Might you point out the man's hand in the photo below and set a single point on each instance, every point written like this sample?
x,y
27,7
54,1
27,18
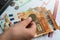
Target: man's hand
x,y
25,30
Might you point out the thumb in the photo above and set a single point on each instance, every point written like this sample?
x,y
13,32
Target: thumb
x,y
26,22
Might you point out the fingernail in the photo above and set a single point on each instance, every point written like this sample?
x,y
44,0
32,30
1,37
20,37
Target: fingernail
x,y
30,18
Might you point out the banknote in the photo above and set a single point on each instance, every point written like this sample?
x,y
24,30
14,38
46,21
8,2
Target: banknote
x,y
51,21
39,27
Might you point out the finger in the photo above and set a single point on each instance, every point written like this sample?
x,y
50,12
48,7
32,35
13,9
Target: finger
x,y
33,26
32,29
25,22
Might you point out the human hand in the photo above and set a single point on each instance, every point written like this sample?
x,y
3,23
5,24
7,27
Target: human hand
x,y
24,30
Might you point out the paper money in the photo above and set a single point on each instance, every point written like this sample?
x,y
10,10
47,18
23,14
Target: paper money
x,y
39,27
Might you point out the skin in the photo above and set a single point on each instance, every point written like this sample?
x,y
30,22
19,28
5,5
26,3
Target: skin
x,y
20,31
